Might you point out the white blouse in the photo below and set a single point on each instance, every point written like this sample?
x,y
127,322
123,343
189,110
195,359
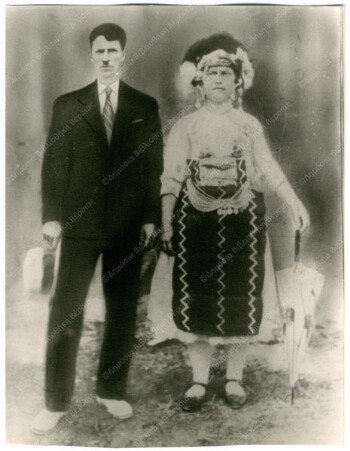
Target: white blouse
x,y
212,138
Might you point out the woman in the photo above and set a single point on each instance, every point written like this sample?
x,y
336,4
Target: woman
x,y
217,167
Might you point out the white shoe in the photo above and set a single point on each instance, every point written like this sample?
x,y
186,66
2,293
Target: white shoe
x,y
119,409
45,421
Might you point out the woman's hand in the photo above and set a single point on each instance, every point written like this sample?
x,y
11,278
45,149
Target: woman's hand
x,y
168,206
166,240
301,216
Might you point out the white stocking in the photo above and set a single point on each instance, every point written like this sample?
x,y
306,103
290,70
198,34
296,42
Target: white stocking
x,y
200,357
236,356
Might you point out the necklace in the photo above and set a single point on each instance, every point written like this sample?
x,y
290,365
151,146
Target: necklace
x,y
205,202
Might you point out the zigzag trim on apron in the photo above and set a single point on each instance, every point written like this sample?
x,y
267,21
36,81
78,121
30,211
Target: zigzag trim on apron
x,y
222,274
182,278
254,263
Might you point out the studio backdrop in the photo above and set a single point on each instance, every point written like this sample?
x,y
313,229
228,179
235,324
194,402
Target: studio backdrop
x,y
296,52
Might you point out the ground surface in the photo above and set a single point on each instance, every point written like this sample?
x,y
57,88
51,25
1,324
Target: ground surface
x,y
159,376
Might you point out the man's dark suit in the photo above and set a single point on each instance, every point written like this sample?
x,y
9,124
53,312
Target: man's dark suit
x,y
101,194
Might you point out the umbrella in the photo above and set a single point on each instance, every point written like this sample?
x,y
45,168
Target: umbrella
x,y
298,288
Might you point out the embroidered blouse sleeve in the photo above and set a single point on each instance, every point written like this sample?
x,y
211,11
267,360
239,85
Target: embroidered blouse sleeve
x,y
268,168
177,151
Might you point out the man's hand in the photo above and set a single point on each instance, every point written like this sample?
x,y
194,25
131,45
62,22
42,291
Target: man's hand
x,y
166,240
148,234
52,232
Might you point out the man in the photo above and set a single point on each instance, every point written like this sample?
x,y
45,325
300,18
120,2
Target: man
x,y
100,190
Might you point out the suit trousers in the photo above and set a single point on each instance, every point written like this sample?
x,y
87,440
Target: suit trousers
x,y
120,279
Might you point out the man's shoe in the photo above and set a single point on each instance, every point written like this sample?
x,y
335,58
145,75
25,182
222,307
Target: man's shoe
x,y
235,396
118,408
191,401
45,421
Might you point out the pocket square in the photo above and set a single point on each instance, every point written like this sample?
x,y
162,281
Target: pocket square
x,y
135,121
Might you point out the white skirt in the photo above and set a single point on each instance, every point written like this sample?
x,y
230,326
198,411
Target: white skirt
x,y
160,313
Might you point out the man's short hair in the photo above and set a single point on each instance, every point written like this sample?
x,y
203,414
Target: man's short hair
x,y
111,31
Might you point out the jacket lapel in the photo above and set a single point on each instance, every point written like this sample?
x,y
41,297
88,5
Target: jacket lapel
x,y
123,115
91,113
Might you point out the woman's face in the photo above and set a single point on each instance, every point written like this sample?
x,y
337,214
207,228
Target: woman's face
x,y
218,83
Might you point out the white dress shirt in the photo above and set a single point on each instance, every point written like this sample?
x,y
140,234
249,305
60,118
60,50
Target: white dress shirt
x,y
114,95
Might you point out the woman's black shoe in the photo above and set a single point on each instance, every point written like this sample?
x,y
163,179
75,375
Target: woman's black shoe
x,y
193,403
236,400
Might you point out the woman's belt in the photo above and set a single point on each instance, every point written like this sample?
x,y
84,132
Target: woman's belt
x,y
205,202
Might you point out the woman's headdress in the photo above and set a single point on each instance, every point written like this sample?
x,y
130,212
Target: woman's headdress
x,y
220,49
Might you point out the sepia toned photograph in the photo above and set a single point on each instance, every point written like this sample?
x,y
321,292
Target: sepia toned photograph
x,y
174,225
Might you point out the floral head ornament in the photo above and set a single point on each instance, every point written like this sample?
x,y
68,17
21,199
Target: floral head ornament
x,y
217,50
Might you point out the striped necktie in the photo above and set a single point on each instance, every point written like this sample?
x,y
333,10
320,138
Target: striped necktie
x,y
108,115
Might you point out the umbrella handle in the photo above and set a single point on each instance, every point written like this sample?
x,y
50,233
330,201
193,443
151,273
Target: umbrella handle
x,y
297,246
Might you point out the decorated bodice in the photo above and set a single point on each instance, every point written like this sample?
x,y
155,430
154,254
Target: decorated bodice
x,y
219,150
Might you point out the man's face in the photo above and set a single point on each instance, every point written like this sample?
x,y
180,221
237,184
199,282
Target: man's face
x,y
107,57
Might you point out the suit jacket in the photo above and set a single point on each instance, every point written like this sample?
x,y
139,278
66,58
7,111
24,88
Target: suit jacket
x,y
99,191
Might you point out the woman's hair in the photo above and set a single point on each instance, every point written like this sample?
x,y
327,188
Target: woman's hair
x,y
110,31
216,41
